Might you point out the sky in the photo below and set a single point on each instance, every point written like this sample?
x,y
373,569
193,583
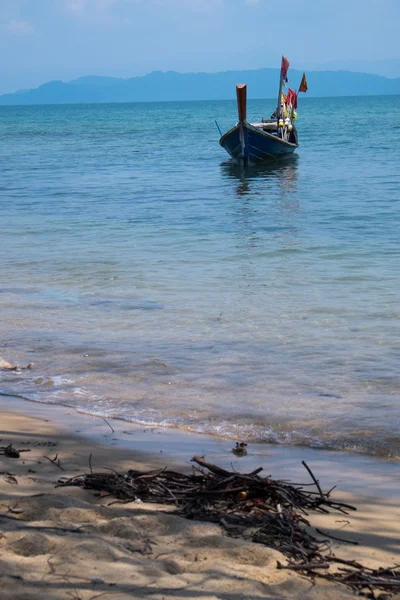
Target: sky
x,y
42,40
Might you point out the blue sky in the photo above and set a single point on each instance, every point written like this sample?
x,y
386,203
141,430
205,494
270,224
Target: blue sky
x,y
62,39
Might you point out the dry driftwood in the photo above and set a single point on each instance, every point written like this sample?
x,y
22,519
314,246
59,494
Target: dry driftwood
x,y
274,511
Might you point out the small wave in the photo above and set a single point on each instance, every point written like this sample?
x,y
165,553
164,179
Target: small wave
x,y
388,449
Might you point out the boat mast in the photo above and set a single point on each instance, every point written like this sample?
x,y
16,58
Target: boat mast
x,y
278,108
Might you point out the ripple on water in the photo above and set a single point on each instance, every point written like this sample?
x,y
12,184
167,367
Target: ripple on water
x,y
188,293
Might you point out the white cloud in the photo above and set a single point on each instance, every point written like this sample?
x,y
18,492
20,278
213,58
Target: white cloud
x,y
20,27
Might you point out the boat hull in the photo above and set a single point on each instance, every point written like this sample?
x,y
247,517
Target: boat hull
x,y
249,144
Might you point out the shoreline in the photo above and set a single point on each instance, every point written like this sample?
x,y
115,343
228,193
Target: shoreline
x,y
355,447
142,551
179,445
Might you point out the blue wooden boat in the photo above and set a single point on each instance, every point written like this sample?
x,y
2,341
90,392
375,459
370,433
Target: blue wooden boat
x,y
273,138
252,143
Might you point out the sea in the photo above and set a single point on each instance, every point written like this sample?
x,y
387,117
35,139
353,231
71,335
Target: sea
x,y
147,277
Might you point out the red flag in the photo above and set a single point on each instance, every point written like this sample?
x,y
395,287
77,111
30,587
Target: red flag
x,y
303,84
292,98
284,68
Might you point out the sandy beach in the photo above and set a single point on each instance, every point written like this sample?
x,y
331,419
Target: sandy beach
x,y
67,543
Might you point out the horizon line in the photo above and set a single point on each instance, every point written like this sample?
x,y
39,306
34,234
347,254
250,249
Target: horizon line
x,y
182,101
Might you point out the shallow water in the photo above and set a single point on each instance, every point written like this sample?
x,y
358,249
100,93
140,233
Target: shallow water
x,y
147,277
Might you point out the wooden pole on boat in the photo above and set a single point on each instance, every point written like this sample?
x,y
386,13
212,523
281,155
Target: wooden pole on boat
x,y
241,96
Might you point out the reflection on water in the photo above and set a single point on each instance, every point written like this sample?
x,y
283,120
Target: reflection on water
x,y
283,172
274,182
266,213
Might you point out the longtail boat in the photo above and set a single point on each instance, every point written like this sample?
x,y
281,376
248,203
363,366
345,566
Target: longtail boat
x,y
271,138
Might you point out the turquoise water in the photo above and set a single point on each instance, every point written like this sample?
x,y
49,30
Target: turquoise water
x,y
147,277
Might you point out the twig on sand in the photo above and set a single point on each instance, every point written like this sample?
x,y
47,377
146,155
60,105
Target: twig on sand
x,y
55,461
315,480
304,566
105,421
333,537
213,468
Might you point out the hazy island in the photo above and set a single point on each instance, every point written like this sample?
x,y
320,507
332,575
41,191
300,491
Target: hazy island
x,y
173,86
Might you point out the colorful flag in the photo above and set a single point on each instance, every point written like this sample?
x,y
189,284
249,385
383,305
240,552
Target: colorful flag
x,y
303,84
283,98
292,98
284,68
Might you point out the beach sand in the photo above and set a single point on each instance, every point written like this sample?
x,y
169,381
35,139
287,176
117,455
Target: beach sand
x,y
67,543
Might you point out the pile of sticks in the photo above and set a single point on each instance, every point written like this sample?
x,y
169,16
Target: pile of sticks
x,y
268,511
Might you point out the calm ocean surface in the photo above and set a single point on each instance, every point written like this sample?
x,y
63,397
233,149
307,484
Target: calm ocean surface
x,y
146,277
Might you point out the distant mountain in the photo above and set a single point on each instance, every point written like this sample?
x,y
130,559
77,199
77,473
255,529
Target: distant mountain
x,y
387,68
160,86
